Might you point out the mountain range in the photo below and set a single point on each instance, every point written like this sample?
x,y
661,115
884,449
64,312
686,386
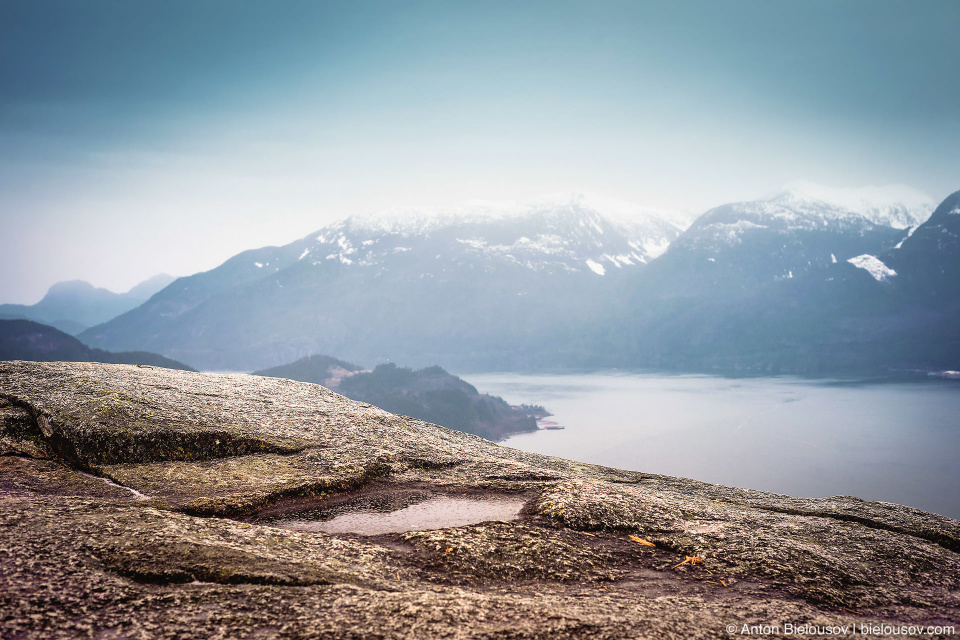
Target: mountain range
x,y
486,287
806,280
75,305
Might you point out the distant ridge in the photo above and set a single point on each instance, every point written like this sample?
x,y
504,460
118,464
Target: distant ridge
x,y
28,340
74,305
430,394
315,369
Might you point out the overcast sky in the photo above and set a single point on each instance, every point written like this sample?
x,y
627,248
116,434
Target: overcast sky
x,y
165,136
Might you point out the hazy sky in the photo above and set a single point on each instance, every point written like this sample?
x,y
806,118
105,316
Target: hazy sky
x,y
139,137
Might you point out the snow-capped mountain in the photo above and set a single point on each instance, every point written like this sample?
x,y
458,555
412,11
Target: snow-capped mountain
x,y
802,227
897,206
809,207
418,220
480,279
795,284
548,234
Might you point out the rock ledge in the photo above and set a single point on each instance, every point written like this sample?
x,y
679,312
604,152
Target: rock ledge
x,y
132,502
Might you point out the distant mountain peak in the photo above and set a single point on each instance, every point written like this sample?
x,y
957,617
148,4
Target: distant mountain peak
x,y
939,236
140,291
897,206
72,286
949,207
150,286
414,220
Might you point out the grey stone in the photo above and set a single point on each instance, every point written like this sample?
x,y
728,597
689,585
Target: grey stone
x,y
132,505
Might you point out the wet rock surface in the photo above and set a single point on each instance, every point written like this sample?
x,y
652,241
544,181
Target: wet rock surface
x,y
135,503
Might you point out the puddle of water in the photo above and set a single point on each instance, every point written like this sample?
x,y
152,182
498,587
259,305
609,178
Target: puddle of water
x,y
436,513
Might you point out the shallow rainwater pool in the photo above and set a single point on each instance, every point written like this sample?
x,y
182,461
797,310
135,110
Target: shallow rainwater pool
x,y
438,512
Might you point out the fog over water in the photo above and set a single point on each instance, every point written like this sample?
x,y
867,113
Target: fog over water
x,y
894,441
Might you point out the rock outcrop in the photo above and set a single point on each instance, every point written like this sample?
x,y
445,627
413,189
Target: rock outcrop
x,y
137,502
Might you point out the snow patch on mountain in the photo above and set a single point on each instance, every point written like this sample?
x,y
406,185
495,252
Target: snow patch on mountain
x,y
653,248
909,233
543,244
874,266
725,233
595,267
629,259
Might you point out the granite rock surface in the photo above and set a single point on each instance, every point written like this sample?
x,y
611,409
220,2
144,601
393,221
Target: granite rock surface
x,y
139,502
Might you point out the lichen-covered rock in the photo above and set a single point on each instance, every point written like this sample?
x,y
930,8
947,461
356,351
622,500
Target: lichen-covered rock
x,y
515,552
117,482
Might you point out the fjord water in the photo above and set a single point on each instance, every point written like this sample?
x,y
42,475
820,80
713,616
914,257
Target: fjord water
x,y
890,440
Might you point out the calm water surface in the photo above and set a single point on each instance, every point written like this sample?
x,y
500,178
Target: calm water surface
x,y
891,441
